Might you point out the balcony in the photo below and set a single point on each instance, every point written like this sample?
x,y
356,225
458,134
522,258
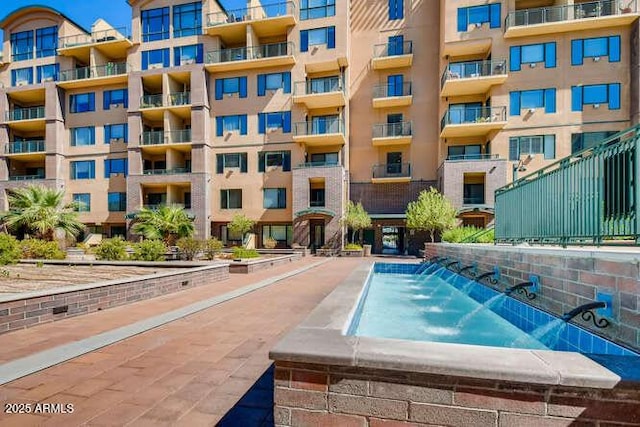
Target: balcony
x,y
307,165
158,141
26,177
319,133
392,55
266,21
470,78
26,150
391,172
26,119
151,101
388,134
319,93
472,121
171,171
391,95
471,157
561,19
111,73
248,58
112,42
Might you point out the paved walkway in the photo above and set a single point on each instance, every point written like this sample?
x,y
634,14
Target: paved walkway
x,y
188,372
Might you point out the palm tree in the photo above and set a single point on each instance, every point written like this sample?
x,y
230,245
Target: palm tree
x,y
41,212
168,223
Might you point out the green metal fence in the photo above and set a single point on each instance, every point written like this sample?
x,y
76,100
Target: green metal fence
x,y
590,197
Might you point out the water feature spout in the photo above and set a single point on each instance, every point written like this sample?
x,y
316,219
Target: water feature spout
x,y
452,263
490,274
521,288
436,259
587,314
465,268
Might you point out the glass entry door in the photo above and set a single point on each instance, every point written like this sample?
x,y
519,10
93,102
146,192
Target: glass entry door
x,y
316,234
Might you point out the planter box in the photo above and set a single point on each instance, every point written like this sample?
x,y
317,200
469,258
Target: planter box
x,y
352,252
324,252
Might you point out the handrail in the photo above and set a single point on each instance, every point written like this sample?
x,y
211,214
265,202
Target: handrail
x,y
110,69
102,36
319,127
384,50
388,90
473,115
170,171
320,85
151,101
318,165
25,177
160,137
27,113
465,157
391,170
18,147
473,69
251,13
180,98
475,236
271,50
390,130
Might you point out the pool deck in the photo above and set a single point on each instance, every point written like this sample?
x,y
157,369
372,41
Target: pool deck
x,y
181,359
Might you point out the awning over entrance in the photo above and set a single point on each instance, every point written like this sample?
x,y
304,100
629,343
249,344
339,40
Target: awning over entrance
x,y
389,216
476,209
314,212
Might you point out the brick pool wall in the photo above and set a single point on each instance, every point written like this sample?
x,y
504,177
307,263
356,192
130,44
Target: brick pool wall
x,y
251,266
36,308
326,395
568,279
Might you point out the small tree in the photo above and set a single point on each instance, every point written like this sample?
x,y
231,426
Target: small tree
x,y
212,247
167,223
149,250
240,224
114,249
189,247
355,218
431,212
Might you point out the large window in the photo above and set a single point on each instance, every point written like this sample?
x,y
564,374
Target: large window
x,y
157,58
274,81
532,54
317,197
155,24
22,76
396,9
324,158
117,202
595,48
582,141
274,159
82,102
595,95
532,99
478,15
235,123
116,133
85,169
191,54
532,144
83,136
231,161
275,198
231,86
187,20
22,45
283,234
464,152
115,166
312,9
48,73
231,199
317,37
46,41
116,98
82,201
272,121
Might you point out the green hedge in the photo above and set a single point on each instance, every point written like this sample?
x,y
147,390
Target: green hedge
x,y
10,251
114,249
239,253
149,250
41,249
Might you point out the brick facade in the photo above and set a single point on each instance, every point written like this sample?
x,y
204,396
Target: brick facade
x,y
387,198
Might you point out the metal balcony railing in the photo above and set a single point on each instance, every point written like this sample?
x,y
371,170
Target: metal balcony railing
x,y
151,101
95,37
473,69
165,137
251,13
319,127
316,86
272,50
466,157
392,49
392,170
327,164
181,98
110,69
28,113
171,171
18,147
473,115
25,177
391,130
572,12
388,90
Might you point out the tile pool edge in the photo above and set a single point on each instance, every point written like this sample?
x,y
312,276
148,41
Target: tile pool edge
x,y
319,339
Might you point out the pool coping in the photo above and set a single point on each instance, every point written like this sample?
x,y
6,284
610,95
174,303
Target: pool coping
x,y
320,339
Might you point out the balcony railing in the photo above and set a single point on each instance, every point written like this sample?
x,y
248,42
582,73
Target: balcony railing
x,y
151,101
316,86
467,157
181,98
473,115
473,69
390,130
319,127
329,164
110,69
251,13
249,53
392,49
95,37
19,147
171,171
544,15
26,177
28,113
388,90
392,170
169,137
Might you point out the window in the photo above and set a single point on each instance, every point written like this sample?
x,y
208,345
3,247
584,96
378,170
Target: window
x,y
118,230
22,76
396,46
395,85
191,54
274,81
582,141
48,73
158,58
115,133
279,120
117,202
237,123
230,237
187,20
274,159
313,9
283,234
115,166
83,136
22,45
118,97
532,54
473,194
155,24
231,160
464,113
82,102
324,84
325,158
539,98
478,15
82,201
46,41
231,199
316,197
321,125
230,86
595,48
464,152
595,95
318,36
274,198
85,169
535,144
396,9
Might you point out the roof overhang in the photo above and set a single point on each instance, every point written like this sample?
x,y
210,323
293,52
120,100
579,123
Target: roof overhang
x,y
26,10
310,212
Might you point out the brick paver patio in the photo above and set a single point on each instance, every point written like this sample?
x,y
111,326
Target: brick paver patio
x,y
188,372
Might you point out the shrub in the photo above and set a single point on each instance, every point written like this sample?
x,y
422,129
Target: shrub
x,y
149,250
189,247
41,249
114,249
488,237
270,243
212,247
239,253
456,235
352,247
9,249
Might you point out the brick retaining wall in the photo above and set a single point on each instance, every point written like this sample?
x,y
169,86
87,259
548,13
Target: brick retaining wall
x,y
250,266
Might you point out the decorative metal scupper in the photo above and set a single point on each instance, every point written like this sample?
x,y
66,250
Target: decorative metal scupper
x,y
522,289
587,314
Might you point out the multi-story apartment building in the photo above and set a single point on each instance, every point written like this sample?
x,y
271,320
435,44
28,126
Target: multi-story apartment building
x,y
285,111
